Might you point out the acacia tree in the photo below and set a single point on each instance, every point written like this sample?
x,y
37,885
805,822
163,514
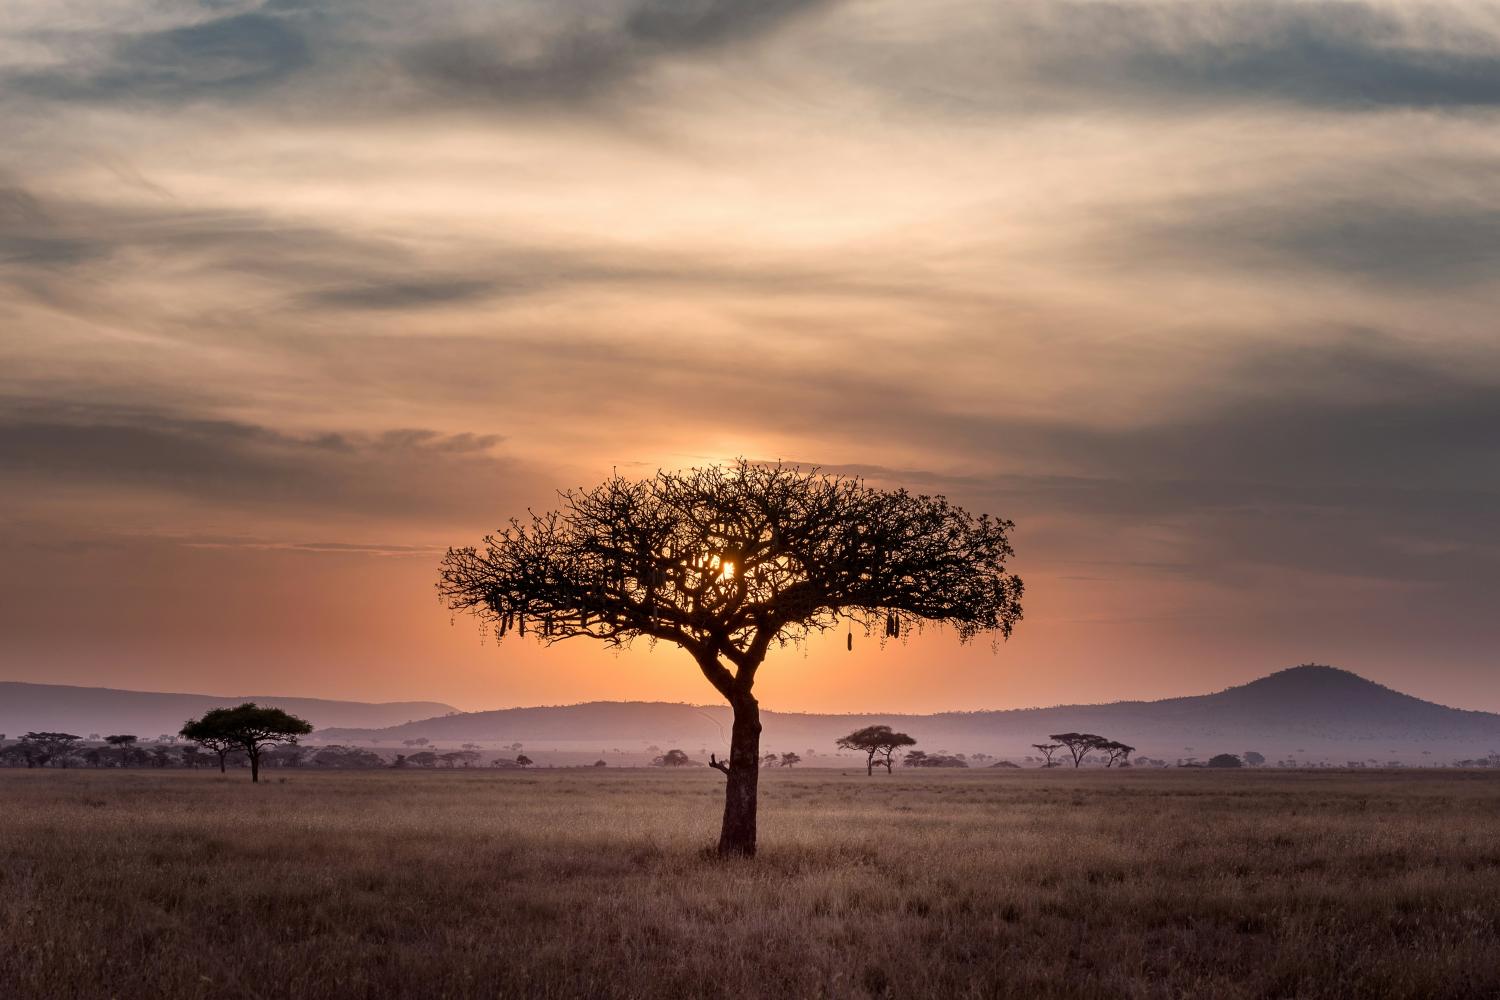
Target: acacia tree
x,y
1080,745
40,749
790,759
726,563
1047,750
247,727
221,745
124,742
876,741
1116,752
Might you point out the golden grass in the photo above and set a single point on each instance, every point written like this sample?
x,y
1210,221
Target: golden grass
x,y
596,884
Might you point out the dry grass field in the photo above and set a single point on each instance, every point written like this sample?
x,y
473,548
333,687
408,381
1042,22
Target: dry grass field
x,y
596,884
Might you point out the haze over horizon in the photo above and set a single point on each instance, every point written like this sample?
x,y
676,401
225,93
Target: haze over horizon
x,y
295,294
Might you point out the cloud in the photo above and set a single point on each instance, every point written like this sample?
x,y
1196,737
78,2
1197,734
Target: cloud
x,y
222,57
546,59
400,294
1039,56
402,473
1342,55
1384,239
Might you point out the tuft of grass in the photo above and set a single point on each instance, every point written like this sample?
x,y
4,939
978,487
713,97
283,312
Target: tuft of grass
x,y
597,884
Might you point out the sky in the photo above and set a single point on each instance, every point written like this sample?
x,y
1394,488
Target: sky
x,y
295,294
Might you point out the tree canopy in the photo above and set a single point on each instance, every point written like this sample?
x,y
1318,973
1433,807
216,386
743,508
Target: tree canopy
x,y
247,727
1079,745
876,741
726,562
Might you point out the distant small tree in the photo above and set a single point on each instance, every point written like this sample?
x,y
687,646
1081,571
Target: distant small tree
x,y
601,763
919,759
249,728
1116,752
41,749
672,758
123,743
523,760
790,759
289,755
876,741
348,757
220,746
422,758
1225,760
1047,750
769,760
466,758
1253,759
1079,745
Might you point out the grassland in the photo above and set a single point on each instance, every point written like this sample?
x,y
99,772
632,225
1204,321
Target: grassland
x,y
596,884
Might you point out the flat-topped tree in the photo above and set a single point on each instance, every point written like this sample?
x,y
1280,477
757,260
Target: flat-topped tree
x,y
726,562
1079,745
125,742
247,727
877,742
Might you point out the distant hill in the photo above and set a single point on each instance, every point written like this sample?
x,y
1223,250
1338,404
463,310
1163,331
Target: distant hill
x,y
85,710
1311,712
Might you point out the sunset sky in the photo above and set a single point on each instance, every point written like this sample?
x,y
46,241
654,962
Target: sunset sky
x,y
1202,295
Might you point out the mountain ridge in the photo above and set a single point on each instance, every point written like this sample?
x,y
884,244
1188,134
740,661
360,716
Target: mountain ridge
x,y
28,706
1291,710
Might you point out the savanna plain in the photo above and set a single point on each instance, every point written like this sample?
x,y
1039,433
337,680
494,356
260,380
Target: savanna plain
x,y
595,883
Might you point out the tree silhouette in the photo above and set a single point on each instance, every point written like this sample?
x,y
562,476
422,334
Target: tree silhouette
x,y
1080,745
523,760
876,741
221,745
1116,752
40,749
790,759
1047,750
727,562
124,742
249,728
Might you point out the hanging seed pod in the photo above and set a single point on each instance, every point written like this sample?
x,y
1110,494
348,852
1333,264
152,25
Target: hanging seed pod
x,y
895,626
851,640
522,625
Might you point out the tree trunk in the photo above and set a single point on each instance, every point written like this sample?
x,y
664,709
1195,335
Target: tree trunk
x,y
254,767
222,755
870,764
737,836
